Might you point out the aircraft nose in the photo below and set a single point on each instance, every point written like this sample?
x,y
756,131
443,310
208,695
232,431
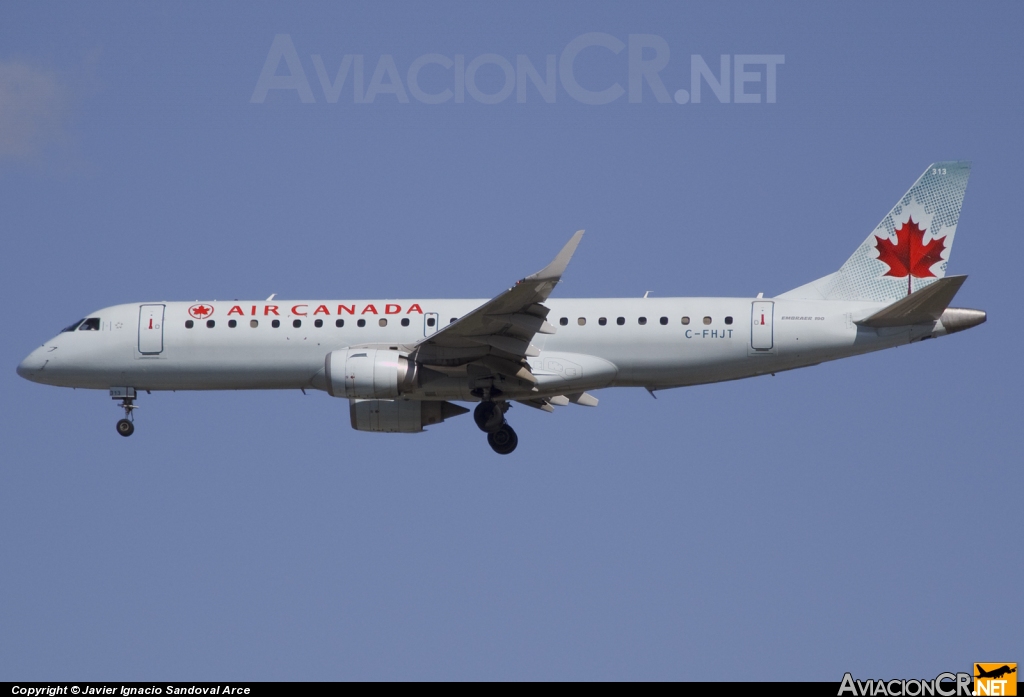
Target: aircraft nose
x,y
33,364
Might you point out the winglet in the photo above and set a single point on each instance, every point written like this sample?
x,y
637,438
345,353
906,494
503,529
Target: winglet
x,y
554,270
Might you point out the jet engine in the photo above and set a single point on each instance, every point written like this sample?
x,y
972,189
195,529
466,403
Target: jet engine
x,y
368,373
399,416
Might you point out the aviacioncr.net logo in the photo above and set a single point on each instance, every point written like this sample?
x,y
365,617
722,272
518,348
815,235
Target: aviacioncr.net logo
x,y
643,62
943,685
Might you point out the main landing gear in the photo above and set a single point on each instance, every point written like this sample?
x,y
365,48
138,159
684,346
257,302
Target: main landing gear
x,y
490,418
125,426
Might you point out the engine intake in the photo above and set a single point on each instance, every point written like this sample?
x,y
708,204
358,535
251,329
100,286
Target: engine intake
x,y
399,416
368,373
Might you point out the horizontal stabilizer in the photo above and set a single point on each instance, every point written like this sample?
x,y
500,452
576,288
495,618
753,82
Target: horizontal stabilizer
x,y
921,307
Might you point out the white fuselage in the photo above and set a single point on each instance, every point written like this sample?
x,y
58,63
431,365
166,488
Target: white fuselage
x,y
148,346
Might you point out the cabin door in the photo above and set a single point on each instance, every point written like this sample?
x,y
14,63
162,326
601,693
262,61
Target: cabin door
x,y
762,337
151,329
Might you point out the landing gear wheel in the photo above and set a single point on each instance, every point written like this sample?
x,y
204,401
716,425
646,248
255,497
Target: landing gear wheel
x,y
504,440
125,395
489,417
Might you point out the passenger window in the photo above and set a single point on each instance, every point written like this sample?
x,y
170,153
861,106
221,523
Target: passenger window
x,y
602,321
664,320
620,321
581,321
318,323
686,320
452,320
254,323
210,324
296,323
276,323
641,320
707,320
71,327
564,321
405,322
728,320
232,323
430,321
189,324
382,322
339,323
90,325
361,323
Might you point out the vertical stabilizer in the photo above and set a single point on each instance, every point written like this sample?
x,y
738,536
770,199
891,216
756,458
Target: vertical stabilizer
x,y
909,249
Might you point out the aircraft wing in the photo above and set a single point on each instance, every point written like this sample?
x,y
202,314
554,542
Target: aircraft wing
x,y
494,340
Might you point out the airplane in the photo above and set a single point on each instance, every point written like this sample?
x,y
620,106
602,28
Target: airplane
x,y
403,363
996,673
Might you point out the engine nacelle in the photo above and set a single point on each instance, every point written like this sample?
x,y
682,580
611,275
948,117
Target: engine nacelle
x,y
399,416
368,373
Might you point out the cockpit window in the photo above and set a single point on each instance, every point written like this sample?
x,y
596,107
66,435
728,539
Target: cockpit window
x,y
90,325
71,327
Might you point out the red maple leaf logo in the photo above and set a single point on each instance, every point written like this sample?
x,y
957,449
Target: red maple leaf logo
x,y
910,256
199,311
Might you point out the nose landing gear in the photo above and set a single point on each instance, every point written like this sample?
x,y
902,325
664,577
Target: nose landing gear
x,y
490,418
125,426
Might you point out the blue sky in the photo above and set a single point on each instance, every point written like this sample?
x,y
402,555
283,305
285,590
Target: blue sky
x,y
854,516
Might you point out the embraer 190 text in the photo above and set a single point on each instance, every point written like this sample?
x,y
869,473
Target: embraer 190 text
x,y
403,363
